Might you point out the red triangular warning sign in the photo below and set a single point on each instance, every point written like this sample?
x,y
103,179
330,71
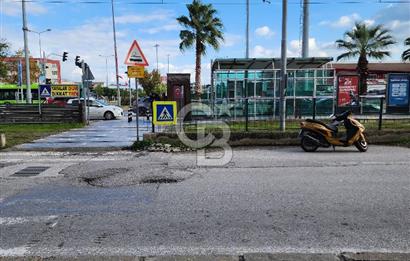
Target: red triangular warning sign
x,y
135,56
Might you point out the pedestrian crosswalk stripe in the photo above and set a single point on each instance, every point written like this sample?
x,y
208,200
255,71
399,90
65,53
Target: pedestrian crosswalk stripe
x,y
165,115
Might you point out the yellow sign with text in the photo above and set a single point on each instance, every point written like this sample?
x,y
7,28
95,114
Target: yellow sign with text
x,y
136,72
64,90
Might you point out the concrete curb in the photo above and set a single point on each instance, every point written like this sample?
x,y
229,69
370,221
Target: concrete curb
x,y
247,257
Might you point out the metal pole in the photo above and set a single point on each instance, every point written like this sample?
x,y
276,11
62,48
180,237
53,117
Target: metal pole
x,y
129,88
156,51
26,54
137,111
106,71
282,101
305,39
381,113
41,58
85,116
247,29
168,63
39,101
116,55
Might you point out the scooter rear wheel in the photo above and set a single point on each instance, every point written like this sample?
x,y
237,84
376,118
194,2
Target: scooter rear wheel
x,y
308,145
361,144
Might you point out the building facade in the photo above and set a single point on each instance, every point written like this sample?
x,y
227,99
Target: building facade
x,y
52,68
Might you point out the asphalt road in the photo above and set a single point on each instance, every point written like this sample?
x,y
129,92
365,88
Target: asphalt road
x,y
276,200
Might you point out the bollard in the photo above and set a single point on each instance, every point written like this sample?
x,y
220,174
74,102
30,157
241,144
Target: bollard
x,y
2,140
129,115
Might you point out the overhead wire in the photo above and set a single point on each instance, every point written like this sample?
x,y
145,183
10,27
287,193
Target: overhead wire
x,y
236,2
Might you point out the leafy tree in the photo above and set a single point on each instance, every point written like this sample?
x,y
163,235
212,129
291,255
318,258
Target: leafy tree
x,y
150,82
202,28
160,89
12,67
4,50
406,54
365,42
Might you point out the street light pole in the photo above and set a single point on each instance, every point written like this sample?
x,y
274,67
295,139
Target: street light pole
x,y
106,67
168,63
39,44
247,30
26,54
156,51
305,38
283,82
116,55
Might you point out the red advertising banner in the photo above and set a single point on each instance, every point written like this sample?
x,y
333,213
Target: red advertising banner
x,y
347,86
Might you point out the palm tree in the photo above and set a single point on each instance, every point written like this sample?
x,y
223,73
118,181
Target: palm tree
x,y
201,28
406,54
365,42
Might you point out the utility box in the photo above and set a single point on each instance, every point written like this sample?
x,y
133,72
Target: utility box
x,y
179,88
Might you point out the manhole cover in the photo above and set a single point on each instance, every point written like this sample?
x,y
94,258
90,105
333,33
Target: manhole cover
x,y
30,171
159,180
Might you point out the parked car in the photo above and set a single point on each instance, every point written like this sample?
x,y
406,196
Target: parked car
x,y
59,101
144,105
99,110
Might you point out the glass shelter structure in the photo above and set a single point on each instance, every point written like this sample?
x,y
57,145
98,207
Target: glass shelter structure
x,y
257,81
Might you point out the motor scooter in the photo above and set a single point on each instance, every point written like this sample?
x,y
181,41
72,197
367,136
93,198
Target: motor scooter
x,y
315,134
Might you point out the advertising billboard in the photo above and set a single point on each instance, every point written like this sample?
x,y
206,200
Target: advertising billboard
x,y
348,87
398,90
61,90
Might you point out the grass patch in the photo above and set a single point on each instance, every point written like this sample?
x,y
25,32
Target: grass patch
x,y
22,133
141,145
291,125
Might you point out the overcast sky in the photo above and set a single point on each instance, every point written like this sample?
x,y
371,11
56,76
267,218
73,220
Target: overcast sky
x,y
85,29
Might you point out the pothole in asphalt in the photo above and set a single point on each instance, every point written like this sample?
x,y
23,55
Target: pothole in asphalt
x,y
97,178
159,180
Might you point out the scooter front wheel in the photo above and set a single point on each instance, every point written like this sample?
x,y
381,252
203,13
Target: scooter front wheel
x,y
361,144
308,144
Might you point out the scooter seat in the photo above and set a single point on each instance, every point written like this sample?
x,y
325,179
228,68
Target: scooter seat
x,y
330,127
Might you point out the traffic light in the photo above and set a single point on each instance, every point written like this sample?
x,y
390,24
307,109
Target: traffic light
x,y
48,81
65,56
77,61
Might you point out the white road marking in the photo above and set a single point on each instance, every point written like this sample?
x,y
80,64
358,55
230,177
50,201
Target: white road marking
x,y
7,221
16,251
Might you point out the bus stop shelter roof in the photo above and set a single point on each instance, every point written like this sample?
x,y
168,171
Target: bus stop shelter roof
x,y
268,63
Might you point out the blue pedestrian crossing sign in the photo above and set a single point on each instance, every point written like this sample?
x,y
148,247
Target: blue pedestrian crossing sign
x,y
165,112
45,91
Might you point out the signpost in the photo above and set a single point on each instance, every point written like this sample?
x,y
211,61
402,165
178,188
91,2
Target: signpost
x,y
164,112
45,91
136,61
